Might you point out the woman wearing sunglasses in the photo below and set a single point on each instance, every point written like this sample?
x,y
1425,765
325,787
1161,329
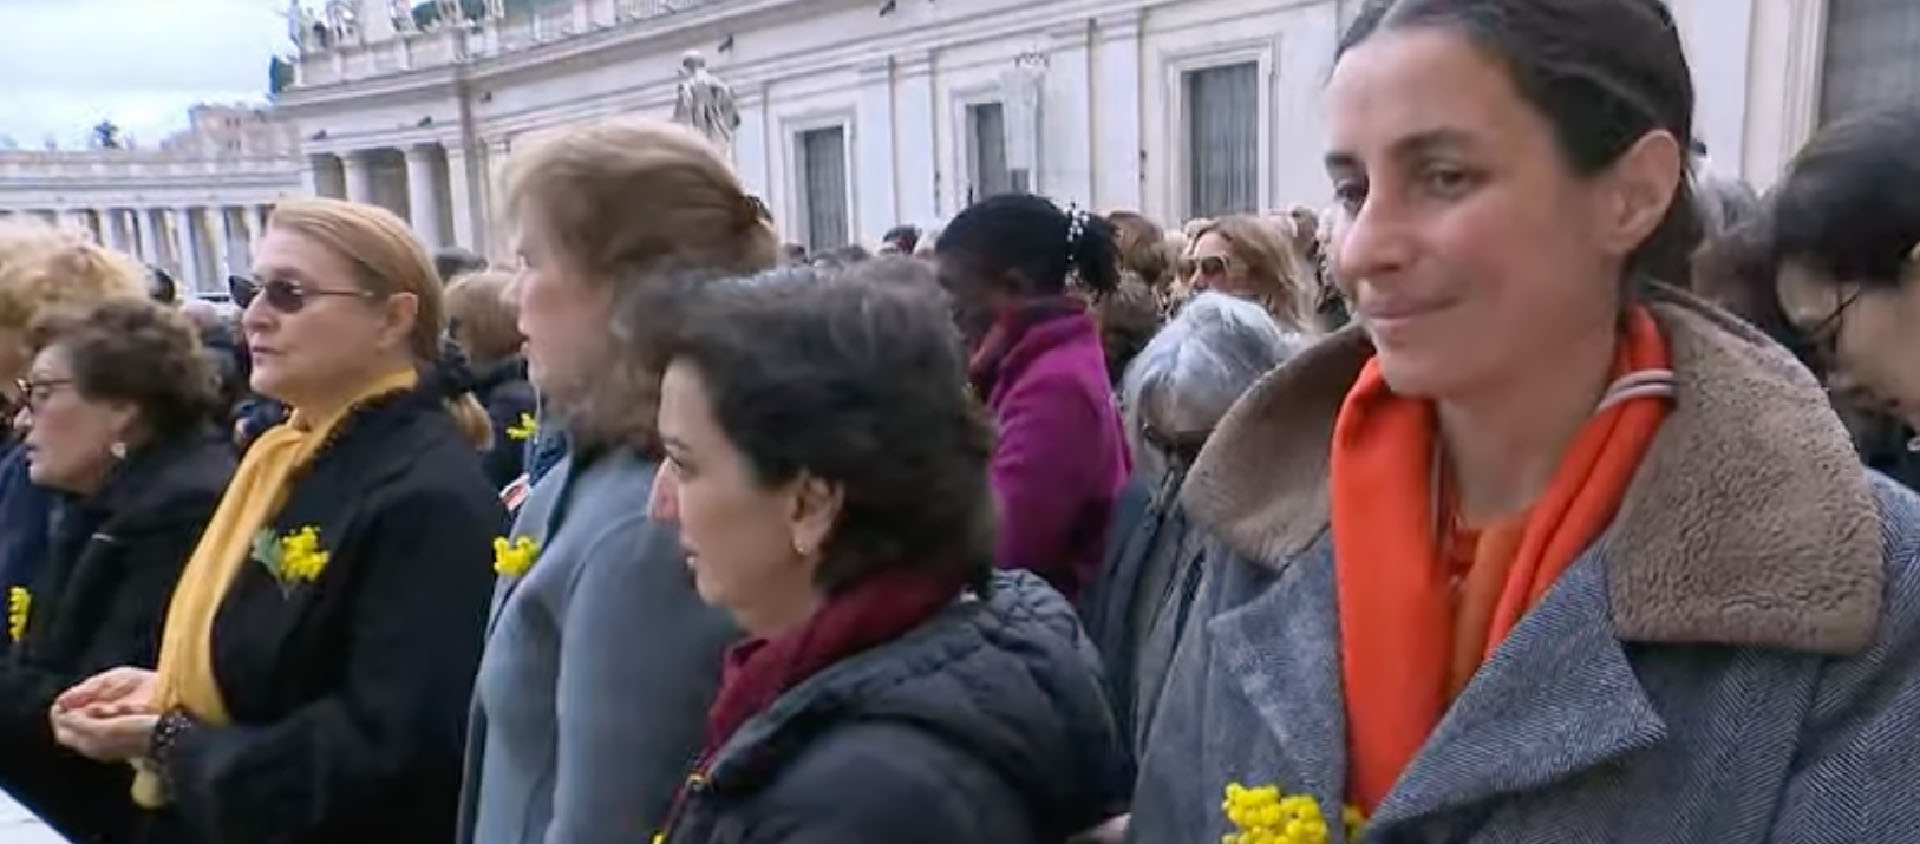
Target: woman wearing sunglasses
x,y
319,651
1247,258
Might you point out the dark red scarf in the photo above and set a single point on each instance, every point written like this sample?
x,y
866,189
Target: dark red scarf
x,y
876,610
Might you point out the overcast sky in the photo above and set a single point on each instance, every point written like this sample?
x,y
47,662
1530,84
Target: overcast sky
x,y
65,64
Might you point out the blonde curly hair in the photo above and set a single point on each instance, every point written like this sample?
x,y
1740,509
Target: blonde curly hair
x,y
43,269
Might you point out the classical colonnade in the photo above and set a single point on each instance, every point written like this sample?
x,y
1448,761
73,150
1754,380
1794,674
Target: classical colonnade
x,y
200,245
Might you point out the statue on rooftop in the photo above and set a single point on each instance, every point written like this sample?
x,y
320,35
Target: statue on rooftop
x,y
705,103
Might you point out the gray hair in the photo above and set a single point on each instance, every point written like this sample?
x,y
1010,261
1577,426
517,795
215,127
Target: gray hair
x,y
1196,368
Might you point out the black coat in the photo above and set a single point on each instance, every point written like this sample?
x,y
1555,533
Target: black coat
x,y
349,694
98,603
507,395
985,726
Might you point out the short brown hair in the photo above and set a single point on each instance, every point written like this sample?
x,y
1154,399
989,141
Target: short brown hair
x,y
479,309
139,352
643,206
630,197
1143,248
1274,268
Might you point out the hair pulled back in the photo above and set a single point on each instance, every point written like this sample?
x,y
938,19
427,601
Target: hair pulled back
x,y
1033,246
1604,74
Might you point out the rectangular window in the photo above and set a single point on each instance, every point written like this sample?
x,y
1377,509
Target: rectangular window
x,y
823,194
1872,55
1223,140
987,152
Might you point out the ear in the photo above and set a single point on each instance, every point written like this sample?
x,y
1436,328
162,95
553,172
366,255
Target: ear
x,y
1639,189
816,509
402,309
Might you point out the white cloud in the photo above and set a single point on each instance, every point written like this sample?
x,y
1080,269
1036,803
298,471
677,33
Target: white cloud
x,y
66,64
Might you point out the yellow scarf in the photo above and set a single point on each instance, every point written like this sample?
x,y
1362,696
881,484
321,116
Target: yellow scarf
x,y
258,490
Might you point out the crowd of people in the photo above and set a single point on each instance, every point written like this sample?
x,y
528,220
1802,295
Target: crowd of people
x,y
1540,489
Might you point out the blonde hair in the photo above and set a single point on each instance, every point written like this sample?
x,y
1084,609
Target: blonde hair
x,y
478,303
1273,266
43,267
387,260
641,206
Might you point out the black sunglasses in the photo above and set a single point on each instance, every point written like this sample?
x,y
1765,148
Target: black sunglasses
x,y
1212,265
282,295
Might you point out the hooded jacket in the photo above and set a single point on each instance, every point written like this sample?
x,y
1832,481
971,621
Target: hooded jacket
x,y
987,725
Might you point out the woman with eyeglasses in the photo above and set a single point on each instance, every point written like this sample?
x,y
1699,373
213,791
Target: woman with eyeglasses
x,y
120,411
42,268
1841,237
1247,257
318,656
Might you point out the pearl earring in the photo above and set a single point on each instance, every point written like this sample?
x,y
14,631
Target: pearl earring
x,y
118,450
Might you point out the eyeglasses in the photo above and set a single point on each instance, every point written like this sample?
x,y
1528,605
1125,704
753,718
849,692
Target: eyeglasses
x,y
34,394
284,296
1824,338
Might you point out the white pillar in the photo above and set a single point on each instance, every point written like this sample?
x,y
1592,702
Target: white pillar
x,y
310,174
250,227
115,220
915,191
1120,178
144,245
359,177
77,218
423,196
190,278
460,197
229,256
1066,118
870,139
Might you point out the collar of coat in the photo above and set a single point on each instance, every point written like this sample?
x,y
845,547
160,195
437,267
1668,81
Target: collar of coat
x,y
1749,521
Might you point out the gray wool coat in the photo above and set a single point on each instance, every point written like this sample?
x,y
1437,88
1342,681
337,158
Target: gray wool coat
x,y
1736,659
600,663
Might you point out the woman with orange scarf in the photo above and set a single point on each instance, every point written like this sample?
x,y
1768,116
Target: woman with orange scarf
x,y
1539,549
319,650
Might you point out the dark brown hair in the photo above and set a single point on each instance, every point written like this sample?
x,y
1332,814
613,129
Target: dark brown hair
x,y
860,383
1604,74
138,352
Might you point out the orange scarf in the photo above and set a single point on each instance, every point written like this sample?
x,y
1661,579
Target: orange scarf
x,y
1407,643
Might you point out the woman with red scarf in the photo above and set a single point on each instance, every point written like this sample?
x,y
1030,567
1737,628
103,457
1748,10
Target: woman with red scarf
x,y
829,478
1016,267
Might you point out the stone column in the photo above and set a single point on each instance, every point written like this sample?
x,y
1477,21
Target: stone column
x,y
359,175
111,232
423,196
870,140
251,228
460,197
77,218
310,174
190,280
144,245
1120,177
227,256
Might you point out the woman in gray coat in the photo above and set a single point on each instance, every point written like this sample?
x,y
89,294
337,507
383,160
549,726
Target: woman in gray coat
x,y
601,659
1538,550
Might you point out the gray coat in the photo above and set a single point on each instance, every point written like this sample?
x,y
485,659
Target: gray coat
x,y
1737,659
600,663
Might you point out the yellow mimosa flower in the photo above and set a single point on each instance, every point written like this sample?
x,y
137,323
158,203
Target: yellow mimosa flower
x,y
301,556
19,605
524,429
1263,815
514,558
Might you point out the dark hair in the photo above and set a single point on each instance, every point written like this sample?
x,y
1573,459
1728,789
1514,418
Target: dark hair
x,y
138,352
861,384
1030,246
1849,203
452,262
160,286
1604,73
907,236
